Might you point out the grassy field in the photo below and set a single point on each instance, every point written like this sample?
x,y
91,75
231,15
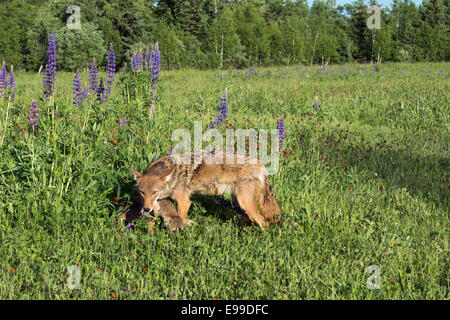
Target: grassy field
x,y
363,181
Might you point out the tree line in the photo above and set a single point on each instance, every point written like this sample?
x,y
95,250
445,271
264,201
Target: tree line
x,y
223,33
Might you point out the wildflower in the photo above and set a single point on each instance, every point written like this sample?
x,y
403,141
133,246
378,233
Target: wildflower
x,y
316,104
85,93
3,76
147,59
101,92
77,93
110,69
130,226
281,131
93,74
34,114
140,61
50,67
123,122
223,111
156,64
11,84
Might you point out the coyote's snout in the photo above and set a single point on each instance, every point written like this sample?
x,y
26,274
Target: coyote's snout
x,y
245,179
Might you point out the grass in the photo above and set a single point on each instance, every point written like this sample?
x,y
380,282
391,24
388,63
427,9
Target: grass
x,y
362,181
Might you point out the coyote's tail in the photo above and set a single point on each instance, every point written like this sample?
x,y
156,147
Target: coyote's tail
x,y
268,204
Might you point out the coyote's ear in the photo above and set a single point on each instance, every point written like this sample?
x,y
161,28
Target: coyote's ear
x,y
137,174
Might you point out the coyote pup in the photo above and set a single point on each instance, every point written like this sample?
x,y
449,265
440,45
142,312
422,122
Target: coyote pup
x,y
245,178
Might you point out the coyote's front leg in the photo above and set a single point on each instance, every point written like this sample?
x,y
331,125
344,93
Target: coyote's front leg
x,y
184,203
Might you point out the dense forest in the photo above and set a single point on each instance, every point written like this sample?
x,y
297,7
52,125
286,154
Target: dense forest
x,y
223,33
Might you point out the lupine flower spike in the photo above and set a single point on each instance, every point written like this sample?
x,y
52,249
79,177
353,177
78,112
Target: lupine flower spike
x,y
110,69
147,60
223,111
316,104
156,64
34,114
77,93
93,74
50,67
123,122
281,132
101,92
85,94
3,76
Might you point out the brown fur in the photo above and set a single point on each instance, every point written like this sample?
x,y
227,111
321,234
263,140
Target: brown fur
x,y
168,212
164,209
246,182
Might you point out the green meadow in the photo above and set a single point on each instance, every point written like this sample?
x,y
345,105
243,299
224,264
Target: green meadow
x,y
363,181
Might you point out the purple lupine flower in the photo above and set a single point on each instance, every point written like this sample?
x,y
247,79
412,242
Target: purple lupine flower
x,y
170,151
133,63
85,94
223,111
139,62
93,74
12,84
131,225
101,92
281,132
77,93
316,104
155,69
3,76
50,67
123,122
147,59
56,114
110,69
156,64
34,114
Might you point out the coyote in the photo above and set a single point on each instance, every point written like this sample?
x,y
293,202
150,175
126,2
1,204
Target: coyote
x,y
245,179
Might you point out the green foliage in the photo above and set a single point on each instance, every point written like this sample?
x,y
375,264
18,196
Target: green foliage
x,y
133,85
76,48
